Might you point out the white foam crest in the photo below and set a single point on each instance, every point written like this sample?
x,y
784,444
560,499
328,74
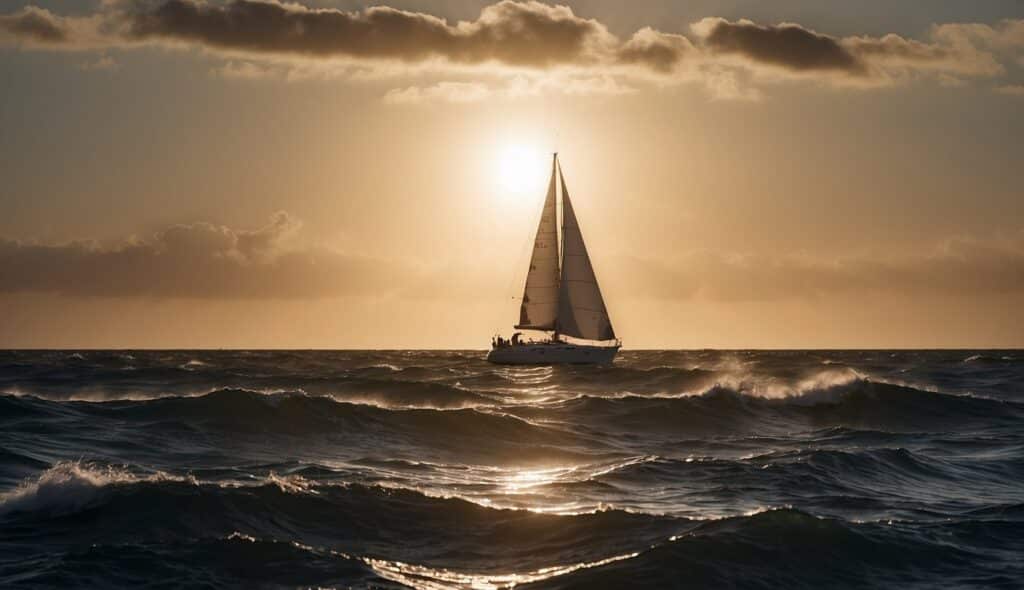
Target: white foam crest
x,y
70,486
67,487
382,403
292,484
100,395
239,536
774,388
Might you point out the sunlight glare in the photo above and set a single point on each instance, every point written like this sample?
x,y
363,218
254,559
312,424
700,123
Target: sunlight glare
x,y
521,169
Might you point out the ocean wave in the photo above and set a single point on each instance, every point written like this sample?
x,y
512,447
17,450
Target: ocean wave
x,y
778,548
841,483
411,537
787,548
214,423
357,519
67,487
234,560
863,410
393,393
780,469
188,381
994,359
860,404
660,380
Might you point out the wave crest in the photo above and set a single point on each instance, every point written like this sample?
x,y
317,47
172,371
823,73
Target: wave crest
x,y
67,487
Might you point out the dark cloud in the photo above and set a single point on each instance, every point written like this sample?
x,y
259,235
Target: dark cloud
x,y
659,51
35,24
787,46
521,34
790,47
199,260
513,33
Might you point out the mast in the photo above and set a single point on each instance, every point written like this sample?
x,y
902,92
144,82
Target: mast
x,y
560,209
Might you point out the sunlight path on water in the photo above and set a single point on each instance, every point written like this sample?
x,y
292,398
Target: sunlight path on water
x,y
425,578
535,489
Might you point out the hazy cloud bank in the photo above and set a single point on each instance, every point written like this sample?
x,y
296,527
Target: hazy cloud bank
x,y
528,37
965,266
197,260
204,260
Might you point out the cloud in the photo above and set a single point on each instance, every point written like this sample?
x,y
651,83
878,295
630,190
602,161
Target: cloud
x,y
594,86
199,260
792,49
244,70
529,34
945,55
787,46
661,52
1011,89
518,87
957,267
38,28
515,34
35,24
209,261
1005,36
454,92
268,38
724,84
103,63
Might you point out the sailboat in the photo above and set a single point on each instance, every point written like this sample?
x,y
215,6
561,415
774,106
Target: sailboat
x,y
561,297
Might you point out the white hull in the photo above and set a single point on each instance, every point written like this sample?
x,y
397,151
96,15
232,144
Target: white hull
x,y
557,353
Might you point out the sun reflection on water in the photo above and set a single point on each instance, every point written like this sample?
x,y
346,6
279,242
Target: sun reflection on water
x,y
427,578
517,481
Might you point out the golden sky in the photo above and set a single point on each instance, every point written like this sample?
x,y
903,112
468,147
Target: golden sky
x,y
342,174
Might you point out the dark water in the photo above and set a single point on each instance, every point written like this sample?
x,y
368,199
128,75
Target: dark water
x,y
699,469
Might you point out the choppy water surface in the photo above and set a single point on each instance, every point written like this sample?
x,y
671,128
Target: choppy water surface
x,y
697,469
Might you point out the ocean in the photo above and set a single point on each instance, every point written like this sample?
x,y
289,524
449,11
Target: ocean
x,y
425,469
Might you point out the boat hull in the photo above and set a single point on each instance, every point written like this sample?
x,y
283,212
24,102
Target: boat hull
x,y
552,354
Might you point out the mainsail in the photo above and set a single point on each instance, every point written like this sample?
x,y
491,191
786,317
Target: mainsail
x,y
581,309
540,297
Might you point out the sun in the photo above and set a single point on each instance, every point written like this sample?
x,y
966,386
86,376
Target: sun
x,y
520,169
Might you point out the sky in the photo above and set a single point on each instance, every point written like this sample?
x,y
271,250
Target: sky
x,y
343,174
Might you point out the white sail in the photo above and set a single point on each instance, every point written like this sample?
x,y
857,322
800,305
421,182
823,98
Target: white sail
x,y
581,309
540,297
